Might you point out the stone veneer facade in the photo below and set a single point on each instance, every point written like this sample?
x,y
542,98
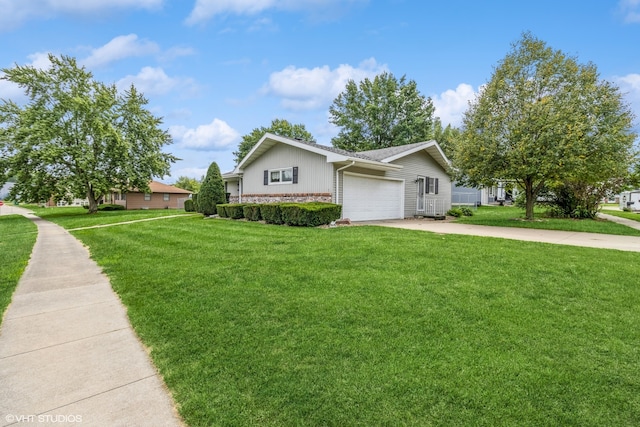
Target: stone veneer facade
x,y
288,197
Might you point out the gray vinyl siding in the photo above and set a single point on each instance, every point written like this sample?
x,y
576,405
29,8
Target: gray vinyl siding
x,y
421,164
315,175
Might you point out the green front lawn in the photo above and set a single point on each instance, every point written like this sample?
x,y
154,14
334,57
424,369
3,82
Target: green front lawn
x,y
17,237
628,215
253,324
509,216
76,217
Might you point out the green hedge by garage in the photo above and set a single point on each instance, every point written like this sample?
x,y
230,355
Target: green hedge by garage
x,y
310,214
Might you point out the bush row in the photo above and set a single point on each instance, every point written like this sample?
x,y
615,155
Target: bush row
x,y
310,214
107,207
461,211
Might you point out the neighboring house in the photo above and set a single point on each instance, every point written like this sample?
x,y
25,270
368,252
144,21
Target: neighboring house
x,y
396,182
631,200
162,196
5,189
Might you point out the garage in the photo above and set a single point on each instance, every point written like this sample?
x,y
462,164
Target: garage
x,y
372,198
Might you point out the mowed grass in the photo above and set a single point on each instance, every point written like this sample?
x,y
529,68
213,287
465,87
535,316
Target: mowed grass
x,y
263,325
628,215
509,216
77,217
17,237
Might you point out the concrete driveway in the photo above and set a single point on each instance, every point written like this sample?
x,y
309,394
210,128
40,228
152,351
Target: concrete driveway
x,y
571,238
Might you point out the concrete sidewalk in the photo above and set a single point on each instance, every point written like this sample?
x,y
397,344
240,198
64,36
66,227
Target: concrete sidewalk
x,y
68,354
590,240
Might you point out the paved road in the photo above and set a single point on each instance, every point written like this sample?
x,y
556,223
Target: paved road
x,y
68,354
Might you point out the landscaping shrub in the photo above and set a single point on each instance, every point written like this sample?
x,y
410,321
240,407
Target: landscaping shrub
x,y
252,212
110,207
234,210
212,191
189,206
221,211
194,197
271,213
310,214
466,211
457,212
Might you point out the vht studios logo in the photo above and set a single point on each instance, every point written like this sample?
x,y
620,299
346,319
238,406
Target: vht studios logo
x,y
44,418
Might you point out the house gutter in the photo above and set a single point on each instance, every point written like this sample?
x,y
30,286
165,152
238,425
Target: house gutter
x,y
353,162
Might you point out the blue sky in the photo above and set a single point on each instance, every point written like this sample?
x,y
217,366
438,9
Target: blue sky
x,y
217,69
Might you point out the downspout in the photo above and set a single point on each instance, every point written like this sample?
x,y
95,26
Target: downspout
x,y
240,189
353,162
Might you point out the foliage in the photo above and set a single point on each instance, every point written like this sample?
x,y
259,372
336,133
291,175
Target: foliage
x,y
252,212
460,211
18,237
231,210
278,127
187,183
544,118
446,137
376,326
382,113
196,207
271,213
211,192
310,214
455,212
189,206
110,207
76,136
222,211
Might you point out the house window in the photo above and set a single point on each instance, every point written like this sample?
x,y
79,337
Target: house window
x,y
147,196
432,186
165,197
281,176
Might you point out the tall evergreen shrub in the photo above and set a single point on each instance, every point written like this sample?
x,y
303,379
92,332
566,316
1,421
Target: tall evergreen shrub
x,y
212,191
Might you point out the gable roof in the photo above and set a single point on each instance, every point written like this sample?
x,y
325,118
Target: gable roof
x,y
393,153
158,187
374,159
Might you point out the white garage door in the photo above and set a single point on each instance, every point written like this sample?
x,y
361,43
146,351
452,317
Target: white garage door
x,y
368,198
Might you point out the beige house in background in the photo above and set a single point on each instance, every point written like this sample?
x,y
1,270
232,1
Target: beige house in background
x,y
162,196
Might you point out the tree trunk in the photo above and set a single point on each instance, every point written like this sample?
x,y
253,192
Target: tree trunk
x,y
93,203
530,199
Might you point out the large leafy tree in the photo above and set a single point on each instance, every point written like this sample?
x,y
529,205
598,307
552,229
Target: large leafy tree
x,y
445,136
187,183
212,191
380,113
76,136
544,118
278,127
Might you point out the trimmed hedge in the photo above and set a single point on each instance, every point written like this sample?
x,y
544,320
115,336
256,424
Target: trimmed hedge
x,y
252,212
309,214
189,206
234,211
271,213
221,211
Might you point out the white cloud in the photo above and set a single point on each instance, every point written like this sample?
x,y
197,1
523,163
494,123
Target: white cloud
x,y
11,91
306,89
630,87
215,136
16,12
630,10
154,81
451,104
119,48
196,173
206,9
